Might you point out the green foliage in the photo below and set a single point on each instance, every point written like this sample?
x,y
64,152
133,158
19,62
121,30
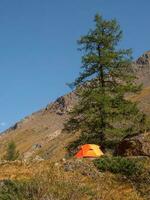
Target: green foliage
x,y
83,139
76,180
44,186
120,165
11,190
142,182
136,169
106,77
11,152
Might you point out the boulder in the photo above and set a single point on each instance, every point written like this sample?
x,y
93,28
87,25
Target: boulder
x,y
138,145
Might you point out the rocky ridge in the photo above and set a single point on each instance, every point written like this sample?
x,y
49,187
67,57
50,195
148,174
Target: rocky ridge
x,y
142,69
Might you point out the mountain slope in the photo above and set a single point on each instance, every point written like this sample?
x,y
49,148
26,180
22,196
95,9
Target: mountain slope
x,y
41,133
38,131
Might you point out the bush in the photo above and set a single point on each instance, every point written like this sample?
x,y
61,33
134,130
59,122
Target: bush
x,y
11,152
118,165
11,190
48,185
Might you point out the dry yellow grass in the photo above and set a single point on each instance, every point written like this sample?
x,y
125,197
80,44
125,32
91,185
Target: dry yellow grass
x,y
103,186
144,93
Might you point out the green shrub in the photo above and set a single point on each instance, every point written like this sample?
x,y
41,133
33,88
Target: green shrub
x,y
11,190
118,165
11,152
47,185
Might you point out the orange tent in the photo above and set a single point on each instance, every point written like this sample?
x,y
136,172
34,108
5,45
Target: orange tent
x,y
89,151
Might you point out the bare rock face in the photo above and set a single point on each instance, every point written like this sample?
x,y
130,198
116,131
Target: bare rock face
x,y
144,59
138,145
142,69
63,104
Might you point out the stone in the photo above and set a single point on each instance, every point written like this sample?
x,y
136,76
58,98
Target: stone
x,y
138,145
38,158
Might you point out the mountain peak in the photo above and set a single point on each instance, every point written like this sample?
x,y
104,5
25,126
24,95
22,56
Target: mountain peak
x,y
142,69
144,59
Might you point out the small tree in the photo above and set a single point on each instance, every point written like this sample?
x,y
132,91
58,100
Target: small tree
x,y
106,77
11,152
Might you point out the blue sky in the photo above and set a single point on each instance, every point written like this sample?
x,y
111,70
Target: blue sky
x,y
38,50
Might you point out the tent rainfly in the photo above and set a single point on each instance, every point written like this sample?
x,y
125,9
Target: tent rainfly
x,y
89,151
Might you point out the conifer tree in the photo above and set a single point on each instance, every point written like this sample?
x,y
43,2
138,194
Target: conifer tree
x,y
106,78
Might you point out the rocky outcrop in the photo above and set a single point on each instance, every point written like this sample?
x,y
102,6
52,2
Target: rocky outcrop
x,y
63,104
142,69
138,145
144,59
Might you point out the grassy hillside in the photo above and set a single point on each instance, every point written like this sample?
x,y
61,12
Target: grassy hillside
x,y
42,172
143,98
39,133
72,180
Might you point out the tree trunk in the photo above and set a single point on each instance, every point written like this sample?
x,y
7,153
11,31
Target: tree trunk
x,y
102,109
